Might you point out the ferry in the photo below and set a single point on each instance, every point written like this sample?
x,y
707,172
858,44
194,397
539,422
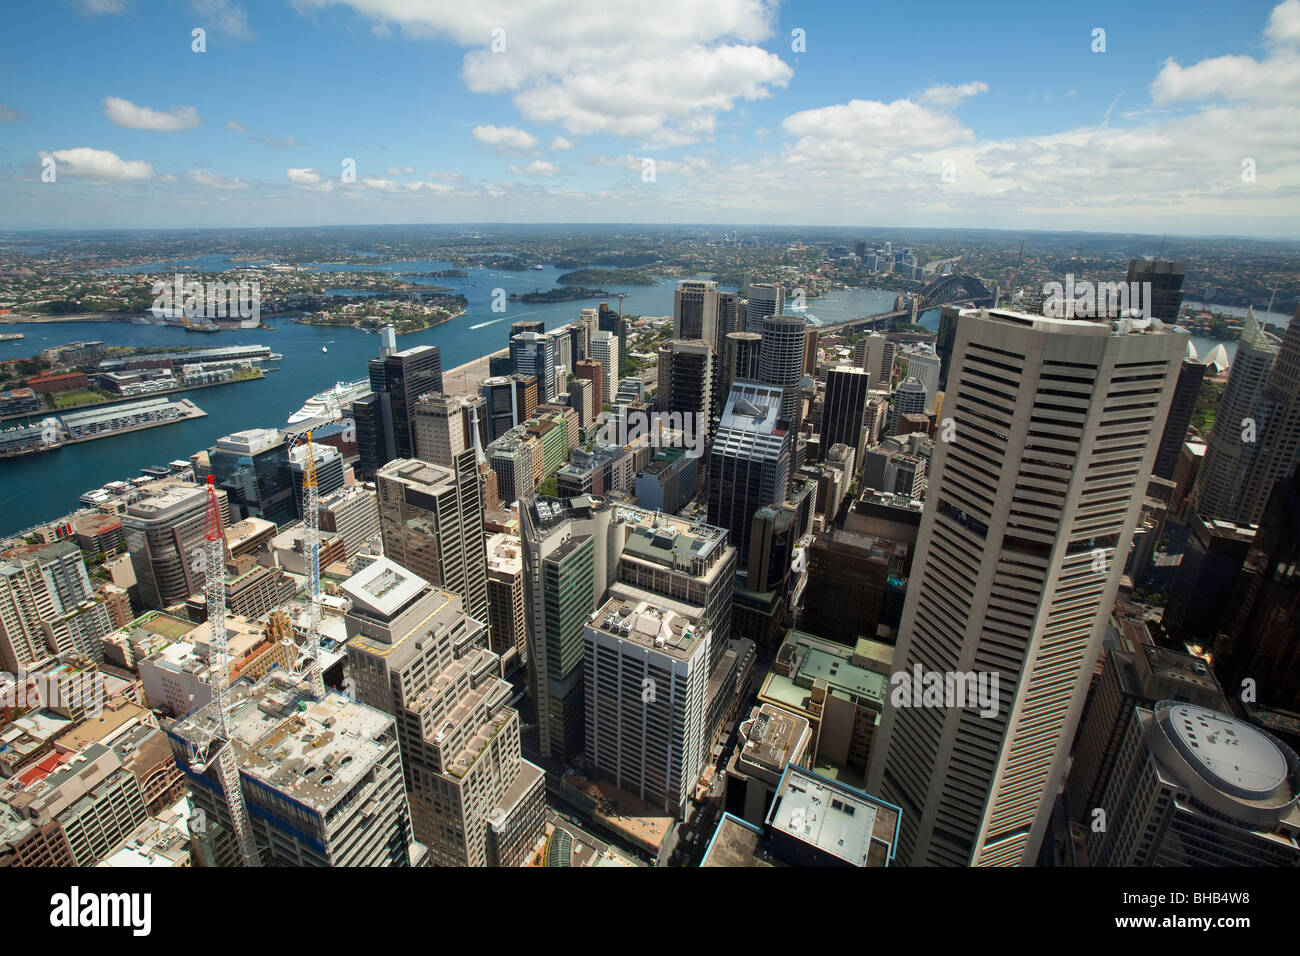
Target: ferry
x,y
329,403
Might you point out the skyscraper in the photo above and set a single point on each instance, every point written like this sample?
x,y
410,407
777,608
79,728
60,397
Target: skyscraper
x,y
164,534
1256,432
844,412
432,523
780,362
1190,378
47,606
875,353
741,358
750,460
1166,280
509,400
415,654
924,367
439,425
731,314
686,379
605,350
594,371
695,311
1030,512
909,399
397,379
764,299
533,353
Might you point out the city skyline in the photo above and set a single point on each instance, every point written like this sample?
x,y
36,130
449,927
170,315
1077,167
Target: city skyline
x,y
757,126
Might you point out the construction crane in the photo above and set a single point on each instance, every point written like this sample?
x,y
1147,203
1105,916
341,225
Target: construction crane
x,y
209,743
309,657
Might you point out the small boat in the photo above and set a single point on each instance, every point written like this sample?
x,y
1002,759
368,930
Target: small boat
x,y
324,349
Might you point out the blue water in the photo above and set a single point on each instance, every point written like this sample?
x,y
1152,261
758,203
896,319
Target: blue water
x,y
33,490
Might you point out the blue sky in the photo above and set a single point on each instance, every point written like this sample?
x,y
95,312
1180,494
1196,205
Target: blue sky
x,y
942,114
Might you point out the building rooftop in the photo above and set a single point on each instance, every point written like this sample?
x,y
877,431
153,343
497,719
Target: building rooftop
x,y
771,737
834,818
645,625
735,843
383,588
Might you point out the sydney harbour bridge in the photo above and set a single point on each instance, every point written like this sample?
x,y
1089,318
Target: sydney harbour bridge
x,y
945,290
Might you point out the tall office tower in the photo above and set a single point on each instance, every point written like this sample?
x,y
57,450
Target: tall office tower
x,y
580,550
526,325
589,319
695,311
1029,514
686,379
924,367
352,513
1256,432
509,400
1201,594
875,353
164,533
251,467
415,654
909,399
741,358
1194,787
1262,639
1166,280
329,471
611,320
1134,674
731,314
397,380
780,362
562,342
322,779
47,606
582,399
1190,378
764,299
750,461
844,414
944,340
432,522
605,350
507,595
439,423
372,441
594,371
810,351
646,672
533,353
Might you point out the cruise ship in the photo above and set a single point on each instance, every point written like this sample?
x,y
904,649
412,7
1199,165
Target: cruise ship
x,y
329,403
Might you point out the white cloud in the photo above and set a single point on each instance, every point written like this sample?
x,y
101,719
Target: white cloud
x,y
97,7
276,143
536,168
308,178
98,164
201,177
399,171
390,186
656,72
946,96
561,142
237,126
505,138
125,113
445,175
226,17
1284,24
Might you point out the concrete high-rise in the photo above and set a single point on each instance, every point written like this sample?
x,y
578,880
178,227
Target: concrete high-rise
x,y
432,523
47,606
780,362
1190,378
731,314
533,353
415,654
605,350
763,299
875,353
695,311
924,367
1027,521
844,411
686,380
1195,787
909,399
740,358
594,371
396,381
509,400
750,460
1256,434
1166,280
438,421
164,533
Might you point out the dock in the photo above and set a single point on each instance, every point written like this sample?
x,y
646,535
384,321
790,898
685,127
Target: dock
x,y
77,427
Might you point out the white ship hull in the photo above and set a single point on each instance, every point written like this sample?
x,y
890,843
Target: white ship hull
x,y
329,403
